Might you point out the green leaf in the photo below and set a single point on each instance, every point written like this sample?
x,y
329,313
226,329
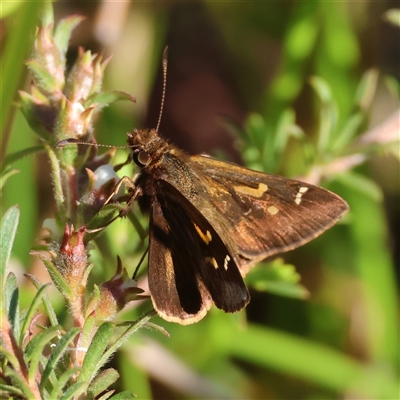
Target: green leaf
x,y
61,382
18,155
15,50
11,390
106,395
366,89
10,357
74,391
47,15
45,299
5,175
55,275
362,184
104,99
92,361
123,396
350,129
311,361
21,384
46,81
278,278
328,113
62,32
8,229
57,353
36,346
11,300
300,39
102,381
31,312
286,128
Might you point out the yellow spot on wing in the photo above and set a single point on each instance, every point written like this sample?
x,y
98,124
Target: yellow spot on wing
x,y
273,210
299,194
212,261
226,261
206,238
259,192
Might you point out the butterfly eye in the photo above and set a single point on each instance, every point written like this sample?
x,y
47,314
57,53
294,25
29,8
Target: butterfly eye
x,y
142,158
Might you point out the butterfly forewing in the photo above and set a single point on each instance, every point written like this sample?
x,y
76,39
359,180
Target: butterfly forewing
x,y
263,214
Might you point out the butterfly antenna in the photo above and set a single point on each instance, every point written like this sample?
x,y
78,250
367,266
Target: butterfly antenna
x,y
164,65
62,143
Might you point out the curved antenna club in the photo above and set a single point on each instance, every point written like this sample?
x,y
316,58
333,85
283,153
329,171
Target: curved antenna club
x,y
164,65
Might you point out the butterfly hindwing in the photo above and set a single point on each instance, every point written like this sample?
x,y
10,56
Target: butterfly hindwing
x,y
177,293
196,263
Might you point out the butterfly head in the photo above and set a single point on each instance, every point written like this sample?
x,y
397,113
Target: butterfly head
x,y
147,146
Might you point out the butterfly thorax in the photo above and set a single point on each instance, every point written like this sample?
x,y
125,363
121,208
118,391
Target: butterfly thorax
x,y
158,160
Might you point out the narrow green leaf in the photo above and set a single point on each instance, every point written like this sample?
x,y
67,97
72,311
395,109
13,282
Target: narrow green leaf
x,y
362,184
11,297
18,155
123,396
366,89
21,384
328,113
45,299
31,312
47,14
8,229
55,275
10,357
348,132
87,332
102,381
138,324
91,363
286,128
74,391
312,361
278,278
15,50
57,353
11,390
104,99
36,346
57,182
106,395
44,79
62,32
5,175
62,381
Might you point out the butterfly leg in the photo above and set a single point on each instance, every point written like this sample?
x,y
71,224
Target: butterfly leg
x,y
135,191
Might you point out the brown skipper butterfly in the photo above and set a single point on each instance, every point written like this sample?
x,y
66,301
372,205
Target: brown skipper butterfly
x,y
211,221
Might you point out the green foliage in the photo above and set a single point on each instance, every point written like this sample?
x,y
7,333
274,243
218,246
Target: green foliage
x,y
342,341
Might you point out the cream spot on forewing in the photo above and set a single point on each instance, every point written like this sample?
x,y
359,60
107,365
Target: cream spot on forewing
x,y
273,210
206,238
226,261
212,261
299,194
259,192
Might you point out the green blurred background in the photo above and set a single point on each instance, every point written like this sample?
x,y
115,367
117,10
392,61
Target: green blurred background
x,y
227,60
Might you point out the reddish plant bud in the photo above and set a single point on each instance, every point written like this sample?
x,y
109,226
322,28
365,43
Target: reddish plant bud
x,y
115,294
72,257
